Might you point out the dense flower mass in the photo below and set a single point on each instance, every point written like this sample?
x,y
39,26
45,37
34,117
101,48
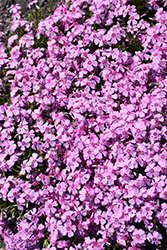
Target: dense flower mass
x,y
83,127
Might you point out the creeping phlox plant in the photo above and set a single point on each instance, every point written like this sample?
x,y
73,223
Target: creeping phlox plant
x,y
83,127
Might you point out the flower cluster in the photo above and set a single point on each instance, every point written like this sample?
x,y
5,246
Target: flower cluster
x,y
83,133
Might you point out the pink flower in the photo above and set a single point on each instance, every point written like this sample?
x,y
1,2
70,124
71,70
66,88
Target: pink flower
x,y
50,139
11,39
86,194
50,207
154,238
10,148
158,183
73,161
73,188
24,143
14,8
32,3
90,62
163,194
54,227
13,193
61,187
15,52
25,167
63,244
26,40
20,203
109,178
98,218
68,229
67,216
138,236
122,238
152,170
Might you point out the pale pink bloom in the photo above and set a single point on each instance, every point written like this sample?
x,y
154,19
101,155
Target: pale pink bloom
x,y
138,236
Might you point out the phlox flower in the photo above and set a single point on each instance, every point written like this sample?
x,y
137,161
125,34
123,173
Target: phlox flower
x,y
73,187
12,110
42,67
50,139
135,195
85,195
158,183
29,195
89,153
154,238
138,236
14,8
61,188
163,194
112,36
100,151
15,52
50,207
36,143
4,188
68,229
87,243
99,218
11,39
106,230
99,39
90,62
152,170
68,215
117,218
55,227
21,202
144,216
129,212
82,177
25,143
26,40
63,244
162,217
8,165
10,147
32,3
79,212
25,167
53,237
13,193
108,178
34,160
33,215
122,238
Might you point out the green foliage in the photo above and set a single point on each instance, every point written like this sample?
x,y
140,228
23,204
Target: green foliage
x,y
88,13
114,246
5,88
69,4
134,45
142,9
34,16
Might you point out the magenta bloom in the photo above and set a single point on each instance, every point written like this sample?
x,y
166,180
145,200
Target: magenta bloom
x,y
83,128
